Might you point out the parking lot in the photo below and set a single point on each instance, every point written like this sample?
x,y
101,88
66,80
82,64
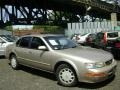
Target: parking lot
x,y
31,79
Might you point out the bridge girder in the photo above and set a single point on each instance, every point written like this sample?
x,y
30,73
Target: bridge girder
x,y
36,11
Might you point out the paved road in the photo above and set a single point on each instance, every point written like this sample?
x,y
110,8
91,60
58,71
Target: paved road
x,y
31,79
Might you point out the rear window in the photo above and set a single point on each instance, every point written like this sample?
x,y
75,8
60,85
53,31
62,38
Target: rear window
x,y
84,34
100,36
112,35
8,38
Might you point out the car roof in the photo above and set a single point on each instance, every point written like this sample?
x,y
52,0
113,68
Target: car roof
x,y
43,35
108,31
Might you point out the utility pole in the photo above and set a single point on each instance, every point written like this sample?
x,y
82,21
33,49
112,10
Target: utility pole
x,y
114,14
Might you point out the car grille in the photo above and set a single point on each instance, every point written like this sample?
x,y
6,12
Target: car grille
x,y
109,62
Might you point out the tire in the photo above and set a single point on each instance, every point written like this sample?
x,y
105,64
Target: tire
x,y
13,62
66,75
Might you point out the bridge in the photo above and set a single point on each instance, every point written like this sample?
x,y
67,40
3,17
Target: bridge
x,y
53,11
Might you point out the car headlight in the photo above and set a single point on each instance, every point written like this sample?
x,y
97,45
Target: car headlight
x,y
95,65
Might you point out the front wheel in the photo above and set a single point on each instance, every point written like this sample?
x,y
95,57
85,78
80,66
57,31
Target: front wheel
x,y
66,75
13,62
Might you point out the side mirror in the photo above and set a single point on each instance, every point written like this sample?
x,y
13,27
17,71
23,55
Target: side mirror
x,y
42,48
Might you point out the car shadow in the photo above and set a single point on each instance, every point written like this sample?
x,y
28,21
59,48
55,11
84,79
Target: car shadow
x,y
2,57
117,58
38,73
53,78
95,85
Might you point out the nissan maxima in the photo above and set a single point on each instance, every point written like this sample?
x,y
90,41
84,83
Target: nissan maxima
x,y
70,62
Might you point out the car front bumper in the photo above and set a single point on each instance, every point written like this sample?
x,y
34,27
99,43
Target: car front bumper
x,y
99,75
2,52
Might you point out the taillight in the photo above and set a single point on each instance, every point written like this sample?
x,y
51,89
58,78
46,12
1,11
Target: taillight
x,y
87,39
117,45
105,39
90,39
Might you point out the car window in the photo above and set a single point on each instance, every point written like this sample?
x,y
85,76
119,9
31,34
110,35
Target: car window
x,y
60,42
18,42
36,42
92,36
0,40
100,35
25,42
84,34
112,35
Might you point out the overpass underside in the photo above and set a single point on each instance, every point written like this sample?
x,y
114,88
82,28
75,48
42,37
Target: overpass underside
x,y
52,11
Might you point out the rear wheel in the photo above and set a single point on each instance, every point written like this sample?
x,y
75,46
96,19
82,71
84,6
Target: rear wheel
x,y
66,76
13,62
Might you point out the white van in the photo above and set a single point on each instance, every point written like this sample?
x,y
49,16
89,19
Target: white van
x,y
5,40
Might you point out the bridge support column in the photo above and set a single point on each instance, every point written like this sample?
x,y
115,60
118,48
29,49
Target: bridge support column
x,y
1,18
1,14
114,19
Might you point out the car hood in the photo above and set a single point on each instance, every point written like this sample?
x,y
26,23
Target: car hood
x,y
87,53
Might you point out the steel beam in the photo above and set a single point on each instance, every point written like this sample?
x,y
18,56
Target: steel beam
x,y
36,11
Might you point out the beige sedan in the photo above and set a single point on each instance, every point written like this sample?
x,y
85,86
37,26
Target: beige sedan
x,y
56,54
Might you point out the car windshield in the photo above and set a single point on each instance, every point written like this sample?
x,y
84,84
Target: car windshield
x,y
112,35
8,38
118,39
60,42
84,34
92,36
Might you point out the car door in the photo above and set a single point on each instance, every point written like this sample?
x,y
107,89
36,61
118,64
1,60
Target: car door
x,y
2,47
99,39
39,58
22,50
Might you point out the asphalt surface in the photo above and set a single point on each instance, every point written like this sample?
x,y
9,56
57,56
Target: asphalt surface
x,y
30,79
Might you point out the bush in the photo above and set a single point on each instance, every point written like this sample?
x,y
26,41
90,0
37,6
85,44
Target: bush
x,y
50,29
